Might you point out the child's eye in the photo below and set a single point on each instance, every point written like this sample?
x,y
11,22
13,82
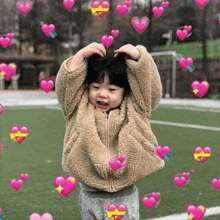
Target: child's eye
x,y
112,89
95,87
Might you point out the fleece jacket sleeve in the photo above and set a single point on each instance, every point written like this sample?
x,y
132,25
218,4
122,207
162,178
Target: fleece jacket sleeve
x,y
145,82
69,86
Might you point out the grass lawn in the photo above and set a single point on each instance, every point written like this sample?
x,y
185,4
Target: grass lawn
x,y
45,142
194,49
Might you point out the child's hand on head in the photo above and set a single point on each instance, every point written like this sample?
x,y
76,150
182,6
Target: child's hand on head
x,y
130,50
92,49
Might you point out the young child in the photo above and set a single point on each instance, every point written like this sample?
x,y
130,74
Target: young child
x,y
130,90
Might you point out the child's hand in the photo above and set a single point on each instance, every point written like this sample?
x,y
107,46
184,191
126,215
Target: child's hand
x,y
91,49
130,50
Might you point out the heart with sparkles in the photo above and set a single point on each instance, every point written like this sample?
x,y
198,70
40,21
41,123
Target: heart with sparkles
x,y
65,186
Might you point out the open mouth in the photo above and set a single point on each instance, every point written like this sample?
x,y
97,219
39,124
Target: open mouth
x,y
102,104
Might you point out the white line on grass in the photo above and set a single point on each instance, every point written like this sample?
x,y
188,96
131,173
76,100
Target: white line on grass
x,y
183,216
185,125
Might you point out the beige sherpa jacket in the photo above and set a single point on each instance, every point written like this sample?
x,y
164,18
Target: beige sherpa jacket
x,y
92,137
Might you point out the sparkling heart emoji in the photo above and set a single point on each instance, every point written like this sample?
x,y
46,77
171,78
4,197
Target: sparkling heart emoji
x,y
47,29
47,85
140,25
107,41
161,151
9,70
24,7
19,135
4,41
202,3
115,33
68,4
16,184
1,109
158,11
202,155
200,89
100,8
216,184
185,63
24,177
65,186
122,9
196,213
45,216
116,212
165,4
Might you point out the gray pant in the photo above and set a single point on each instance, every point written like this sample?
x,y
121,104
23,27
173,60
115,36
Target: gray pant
x,y
94,205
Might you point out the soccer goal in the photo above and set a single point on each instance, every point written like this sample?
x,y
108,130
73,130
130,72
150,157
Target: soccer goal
x,y
168,93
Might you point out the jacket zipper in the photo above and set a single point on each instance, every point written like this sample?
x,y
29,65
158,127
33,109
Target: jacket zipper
x,y
108,115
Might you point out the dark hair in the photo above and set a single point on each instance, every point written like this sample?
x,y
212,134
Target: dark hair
x,y
114,67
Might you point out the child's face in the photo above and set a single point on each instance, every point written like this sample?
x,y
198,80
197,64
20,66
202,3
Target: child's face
x,y
110,94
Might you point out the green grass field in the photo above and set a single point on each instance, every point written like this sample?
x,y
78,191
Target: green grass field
x,y
193,50
45,142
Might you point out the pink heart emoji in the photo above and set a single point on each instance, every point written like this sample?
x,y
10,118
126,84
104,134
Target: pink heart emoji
x,y
47,85
219,20
115,164
165,4
45,216
0,210
158,11
10,70
186,175
128,3
185,63
188,28
216,183
180,181
201,87
68,4
198,212
201,3
121,158
140,25
107,41
156,195
1,109
161,152
24,177
68,184
115,33
24,7
122,9
4,41
149,203
16,184
181,34
47,29
10,36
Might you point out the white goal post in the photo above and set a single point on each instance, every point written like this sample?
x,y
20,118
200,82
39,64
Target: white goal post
x,y
174,54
